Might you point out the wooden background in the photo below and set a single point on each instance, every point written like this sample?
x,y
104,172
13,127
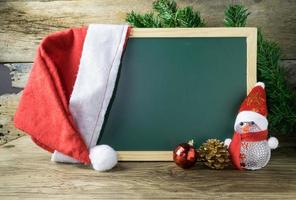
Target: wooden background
x,y
24,23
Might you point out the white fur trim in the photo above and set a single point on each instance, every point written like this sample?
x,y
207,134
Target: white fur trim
x,y
93,88
260,84
273,142
103,157
227,142
59,157
247,116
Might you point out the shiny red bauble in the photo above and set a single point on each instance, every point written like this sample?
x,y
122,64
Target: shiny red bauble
x,y
185,155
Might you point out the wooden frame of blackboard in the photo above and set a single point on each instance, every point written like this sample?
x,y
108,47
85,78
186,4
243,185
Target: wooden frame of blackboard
x,y
251,40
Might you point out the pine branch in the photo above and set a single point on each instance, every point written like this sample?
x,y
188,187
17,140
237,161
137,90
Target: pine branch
x,y
147,20
186,17
166,11
236,16
281,99
166,14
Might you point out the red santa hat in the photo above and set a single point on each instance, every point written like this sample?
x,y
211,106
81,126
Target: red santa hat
x,y
254,108
65,100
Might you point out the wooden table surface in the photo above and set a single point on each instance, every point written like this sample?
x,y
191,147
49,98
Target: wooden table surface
x,y
27,173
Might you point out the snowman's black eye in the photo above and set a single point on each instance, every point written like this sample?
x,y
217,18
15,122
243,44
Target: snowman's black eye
x,y
241,123
252,122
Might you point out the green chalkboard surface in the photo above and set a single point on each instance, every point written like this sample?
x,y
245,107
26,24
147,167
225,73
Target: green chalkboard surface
x,y
171,90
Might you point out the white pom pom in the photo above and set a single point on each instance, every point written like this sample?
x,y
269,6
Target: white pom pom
x,y
260,84
103,157
227,142
273,143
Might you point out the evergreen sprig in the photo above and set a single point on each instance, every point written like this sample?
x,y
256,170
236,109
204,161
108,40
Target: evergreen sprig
x,y
236,16
186,17
147,20
281,100
166,14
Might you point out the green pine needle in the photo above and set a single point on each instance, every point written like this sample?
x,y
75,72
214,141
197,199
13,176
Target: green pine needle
x,y
236,16
281,100
166,11
186,17
147,20
166,14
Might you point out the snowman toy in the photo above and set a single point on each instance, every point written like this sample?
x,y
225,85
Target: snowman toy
x,y
250,147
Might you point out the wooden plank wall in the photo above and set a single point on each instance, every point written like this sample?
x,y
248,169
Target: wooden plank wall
x,y
24,23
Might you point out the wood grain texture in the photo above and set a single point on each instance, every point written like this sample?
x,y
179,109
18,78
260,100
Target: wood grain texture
x,y
290,69
8,105
24,23
145,156
27,173
18,73
251,59
245,32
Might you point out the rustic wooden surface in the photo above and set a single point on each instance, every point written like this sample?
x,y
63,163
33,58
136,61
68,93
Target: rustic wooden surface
x,y
25,169
24,23
18,75
290,69
28,173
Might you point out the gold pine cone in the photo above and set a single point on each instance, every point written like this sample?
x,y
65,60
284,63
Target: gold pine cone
x,y
214,154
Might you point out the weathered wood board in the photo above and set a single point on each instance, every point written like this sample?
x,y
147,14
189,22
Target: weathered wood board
x,y
18,73
24,23
290,69
27,173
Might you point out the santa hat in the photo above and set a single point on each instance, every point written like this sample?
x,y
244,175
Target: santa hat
x,y
65,100
254,108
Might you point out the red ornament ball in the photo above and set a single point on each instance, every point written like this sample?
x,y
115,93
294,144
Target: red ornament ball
x,y
185,155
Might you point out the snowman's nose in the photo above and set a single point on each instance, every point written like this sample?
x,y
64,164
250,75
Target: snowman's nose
x,y
246,127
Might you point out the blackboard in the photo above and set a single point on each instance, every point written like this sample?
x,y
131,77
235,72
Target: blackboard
x,y
173,87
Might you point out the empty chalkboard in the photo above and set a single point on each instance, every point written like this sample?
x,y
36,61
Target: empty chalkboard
x,y
178,84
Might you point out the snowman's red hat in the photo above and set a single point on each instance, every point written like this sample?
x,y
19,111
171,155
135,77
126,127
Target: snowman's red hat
x,y
254,108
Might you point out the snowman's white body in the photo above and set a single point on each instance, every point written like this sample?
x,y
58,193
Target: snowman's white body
x,y
254,155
